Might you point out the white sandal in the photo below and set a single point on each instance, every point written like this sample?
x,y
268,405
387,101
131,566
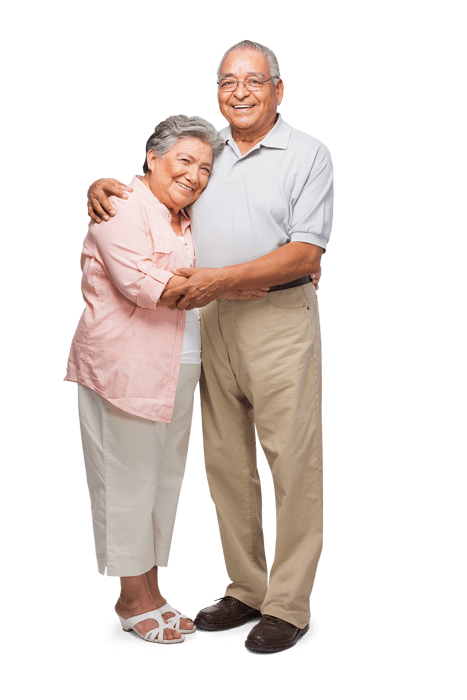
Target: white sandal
x,y
155,635
175,620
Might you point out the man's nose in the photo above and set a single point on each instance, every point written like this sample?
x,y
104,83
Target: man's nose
x,y
240,91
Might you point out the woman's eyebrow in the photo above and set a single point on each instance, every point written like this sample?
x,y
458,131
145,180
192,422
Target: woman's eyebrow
x,y
187,155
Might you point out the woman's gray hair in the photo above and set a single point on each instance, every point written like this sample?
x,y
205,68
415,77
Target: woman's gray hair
x,y
270,55
167,133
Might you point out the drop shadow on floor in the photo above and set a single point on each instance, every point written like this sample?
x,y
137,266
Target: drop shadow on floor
x,y
116,637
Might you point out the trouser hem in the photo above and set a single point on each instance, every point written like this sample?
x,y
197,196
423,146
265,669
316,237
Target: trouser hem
x,y
283,615
244,598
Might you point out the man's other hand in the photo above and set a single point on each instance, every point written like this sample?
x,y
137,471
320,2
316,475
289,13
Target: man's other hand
x,y
315,277
99,205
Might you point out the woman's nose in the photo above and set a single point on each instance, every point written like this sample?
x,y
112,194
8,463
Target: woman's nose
x,y
192,174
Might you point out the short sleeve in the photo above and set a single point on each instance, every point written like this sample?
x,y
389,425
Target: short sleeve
x,y
312,210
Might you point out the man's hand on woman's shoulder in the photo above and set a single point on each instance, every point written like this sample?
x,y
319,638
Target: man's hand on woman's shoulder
x,y
99,205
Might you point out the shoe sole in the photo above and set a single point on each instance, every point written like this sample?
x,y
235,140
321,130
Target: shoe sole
x,y
272,648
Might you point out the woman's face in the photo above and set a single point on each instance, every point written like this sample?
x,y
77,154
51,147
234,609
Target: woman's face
x,y
178,178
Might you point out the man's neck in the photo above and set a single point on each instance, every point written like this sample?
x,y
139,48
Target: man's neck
x,y
246,140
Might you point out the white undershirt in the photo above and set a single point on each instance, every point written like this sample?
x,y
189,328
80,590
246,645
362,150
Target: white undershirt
x,y
191,350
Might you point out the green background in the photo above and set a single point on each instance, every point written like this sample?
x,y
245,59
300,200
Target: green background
x,y
83,86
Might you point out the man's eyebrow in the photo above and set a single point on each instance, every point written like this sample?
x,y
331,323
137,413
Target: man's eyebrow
x,y
232,75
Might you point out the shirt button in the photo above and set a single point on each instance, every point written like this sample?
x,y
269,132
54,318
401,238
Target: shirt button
x,y
143,266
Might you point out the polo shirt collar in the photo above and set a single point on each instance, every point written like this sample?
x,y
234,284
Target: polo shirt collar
x,y
278,137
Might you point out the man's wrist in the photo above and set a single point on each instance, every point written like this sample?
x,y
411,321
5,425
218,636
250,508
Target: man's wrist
x,y
227,278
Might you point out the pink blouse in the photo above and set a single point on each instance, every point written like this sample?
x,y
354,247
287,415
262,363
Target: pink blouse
x,y
125,348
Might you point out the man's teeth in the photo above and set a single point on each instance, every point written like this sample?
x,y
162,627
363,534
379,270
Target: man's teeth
x,y
243,106
185,187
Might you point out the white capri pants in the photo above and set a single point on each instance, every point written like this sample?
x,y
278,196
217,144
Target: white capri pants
x,y
134,469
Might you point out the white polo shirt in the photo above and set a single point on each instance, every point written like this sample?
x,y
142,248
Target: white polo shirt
x,y
278,192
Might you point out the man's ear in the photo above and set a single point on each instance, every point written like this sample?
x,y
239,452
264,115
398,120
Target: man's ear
x,y
279,91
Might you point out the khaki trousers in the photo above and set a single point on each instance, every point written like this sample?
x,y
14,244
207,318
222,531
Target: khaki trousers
x,y
135,469
262,366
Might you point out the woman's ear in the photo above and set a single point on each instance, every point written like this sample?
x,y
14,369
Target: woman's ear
x,y
151,159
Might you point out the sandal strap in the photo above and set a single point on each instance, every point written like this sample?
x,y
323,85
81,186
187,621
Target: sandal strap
x,y
167,608
157,633
152,615
173,621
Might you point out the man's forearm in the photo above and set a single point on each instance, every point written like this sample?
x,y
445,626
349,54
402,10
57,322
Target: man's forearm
x,y
283,265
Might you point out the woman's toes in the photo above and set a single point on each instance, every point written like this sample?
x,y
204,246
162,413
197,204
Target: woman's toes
x,y
145,626
170,633
185,622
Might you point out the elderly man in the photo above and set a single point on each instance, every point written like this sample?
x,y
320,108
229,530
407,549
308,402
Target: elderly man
x,y
263,221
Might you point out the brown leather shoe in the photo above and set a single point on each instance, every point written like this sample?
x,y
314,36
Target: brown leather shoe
x,y
272,634
226,614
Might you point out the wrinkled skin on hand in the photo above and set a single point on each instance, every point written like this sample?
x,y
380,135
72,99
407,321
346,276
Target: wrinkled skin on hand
x,y
315,277
202,285
99,205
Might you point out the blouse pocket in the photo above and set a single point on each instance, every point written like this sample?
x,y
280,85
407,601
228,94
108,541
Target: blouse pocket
x,y
163,256
158,266
162,248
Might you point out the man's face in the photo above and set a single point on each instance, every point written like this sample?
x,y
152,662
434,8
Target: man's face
x,y
249,112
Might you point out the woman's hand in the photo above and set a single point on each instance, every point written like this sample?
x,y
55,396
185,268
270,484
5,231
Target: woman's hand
x,y
99,205
200,286
172,284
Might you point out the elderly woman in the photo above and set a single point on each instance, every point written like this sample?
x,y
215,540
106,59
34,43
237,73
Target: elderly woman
x,y
137,361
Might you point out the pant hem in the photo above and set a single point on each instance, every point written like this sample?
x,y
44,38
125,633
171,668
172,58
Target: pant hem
x,y
282,615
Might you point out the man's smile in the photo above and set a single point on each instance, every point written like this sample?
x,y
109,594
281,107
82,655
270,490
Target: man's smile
x,y
189,189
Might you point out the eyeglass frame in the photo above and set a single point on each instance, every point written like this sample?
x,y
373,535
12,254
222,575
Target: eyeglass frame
x,y
244,81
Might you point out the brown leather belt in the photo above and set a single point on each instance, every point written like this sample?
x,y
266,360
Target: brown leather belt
x,y
289,285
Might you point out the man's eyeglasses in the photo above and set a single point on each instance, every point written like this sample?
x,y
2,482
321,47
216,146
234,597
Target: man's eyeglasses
x,y
251,84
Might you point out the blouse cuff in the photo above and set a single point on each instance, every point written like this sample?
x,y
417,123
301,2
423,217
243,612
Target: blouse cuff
x,y
153,284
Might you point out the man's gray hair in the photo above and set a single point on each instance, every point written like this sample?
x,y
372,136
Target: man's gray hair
x,y
167,133
270,55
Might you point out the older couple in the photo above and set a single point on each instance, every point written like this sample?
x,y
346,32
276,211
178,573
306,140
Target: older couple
x,y
263,222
